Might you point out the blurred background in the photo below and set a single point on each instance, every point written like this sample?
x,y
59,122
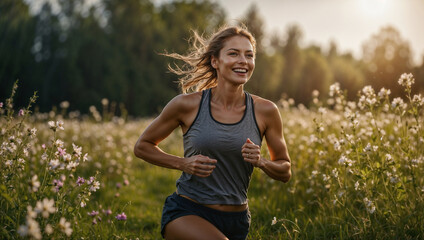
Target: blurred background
x,y
83,51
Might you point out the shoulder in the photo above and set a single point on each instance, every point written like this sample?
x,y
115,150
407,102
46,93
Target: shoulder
x,y
264,107
182,105
187,101
267,114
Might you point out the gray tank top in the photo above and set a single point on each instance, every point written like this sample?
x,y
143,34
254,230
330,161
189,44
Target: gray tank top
x,y
229,181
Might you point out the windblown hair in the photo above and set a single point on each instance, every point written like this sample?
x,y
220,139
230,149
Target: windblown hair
x,y
197,72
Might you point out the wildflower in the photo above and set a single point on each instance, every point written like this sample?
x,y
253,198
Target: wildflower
x,y
118,185
21,112
368,148
398,103
274,221
121,217
59,124
83,203
85,157
64,104
31,213
58,184
93,213
335,172
126,182
369,205
418,100
52,125
80,181
406,80
77,150
107,212
389,157
356,185
384,93
54,164
325,177
43,146
94,186
61,151
65,226
59,143
1,104
48,229
32,229
34,183
334,89
91,180
32,132
9,163
72,166
45,208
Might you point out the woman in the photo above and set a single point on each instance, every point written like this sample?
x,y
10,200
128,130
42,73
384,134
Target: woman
x,y
222,127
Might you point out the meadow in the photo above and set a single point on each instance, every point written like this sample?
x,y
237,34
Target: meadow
x,y
357,172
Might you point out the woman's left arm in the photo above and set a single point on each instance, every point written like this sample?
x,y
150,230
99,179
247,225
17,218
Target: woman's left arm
x,y
279,166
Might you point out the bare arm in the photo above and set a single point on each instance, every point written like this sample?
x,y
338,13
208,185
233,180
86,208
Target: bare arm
x,y
172,116
279,166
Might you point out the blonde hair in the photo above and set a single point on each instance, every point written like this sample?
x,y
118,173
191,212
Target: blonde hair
x,y
197,72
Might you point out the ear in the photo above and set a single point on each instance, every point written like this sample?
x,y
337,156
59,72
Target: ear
x,y
214,62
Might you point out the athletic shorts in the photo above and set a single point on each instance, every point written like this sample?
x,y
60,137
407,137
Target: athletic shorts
x,y
234,225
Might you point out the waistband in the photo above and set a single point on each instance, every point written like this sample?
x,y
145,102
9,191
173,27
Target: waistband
x,y
190,204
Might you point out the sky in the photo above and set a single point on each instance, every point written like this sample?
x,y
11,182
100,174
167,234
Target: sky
x,y
349,23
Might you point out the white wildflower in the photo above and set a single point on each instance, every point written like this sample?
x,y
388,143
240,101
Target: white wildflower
x,y
45,207
406,80
274,221
34,183
65,226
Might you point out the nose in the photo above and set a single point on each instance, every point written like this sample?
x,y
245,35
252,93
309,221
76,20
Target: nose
x,y
242,59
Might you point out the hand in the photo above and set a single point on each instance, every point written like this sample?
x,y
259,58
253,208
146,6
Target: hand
x,y
199,165
252,153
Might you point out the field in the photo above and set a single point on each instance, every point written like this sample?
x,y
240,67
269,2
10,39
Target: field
x,y
357,173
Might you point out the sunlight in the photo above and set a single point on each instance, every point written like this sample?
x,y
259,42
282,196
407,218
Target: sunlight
x,y
374,8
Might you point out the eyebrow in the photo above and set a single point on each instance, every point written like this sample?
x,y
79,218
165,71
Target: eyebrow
x,y
234,49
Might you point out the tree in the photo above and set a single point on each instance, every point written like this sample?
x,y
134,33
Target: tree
x,y
387,55
16,40
316,75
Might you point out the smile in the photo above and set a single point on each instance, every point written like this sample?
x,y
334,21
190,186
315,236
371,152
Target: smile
x,y
240,70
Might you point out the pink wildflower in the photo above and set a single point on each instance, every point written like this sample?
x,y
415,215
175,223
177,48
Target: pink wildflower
x,y
107,212
121,217
93,213
80,181
21,112
126,182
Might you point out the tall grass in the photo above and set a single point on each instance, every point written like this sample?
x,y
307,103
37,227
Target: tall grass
x,y
357,173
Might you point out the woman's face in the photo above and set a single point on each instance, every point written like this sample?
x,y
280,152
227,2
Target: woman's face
x,y
236,61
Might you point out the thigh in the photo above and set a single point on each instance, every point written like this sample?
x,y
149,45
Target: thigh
x,y
192,227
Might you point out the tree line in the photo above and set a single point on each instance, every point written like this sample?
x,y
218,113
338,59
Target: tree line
x,y
82,52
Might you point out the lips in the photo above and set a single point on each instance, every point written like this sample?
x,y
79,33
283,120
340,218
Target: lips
x,y
240,70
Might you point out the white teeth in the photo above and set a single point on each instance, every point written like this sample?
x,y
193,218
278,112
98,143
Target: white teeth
x,y
240,70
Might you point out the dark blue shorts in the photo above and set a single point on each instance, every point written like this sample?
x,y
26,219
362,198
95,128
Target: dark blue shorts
x,y
234,225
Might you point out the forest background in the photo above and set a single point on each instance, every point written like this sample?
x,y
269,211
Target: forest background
x,y
82,53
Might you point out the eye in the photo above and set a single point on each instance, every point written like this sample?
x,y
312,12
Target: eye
x,y
250,56
232,54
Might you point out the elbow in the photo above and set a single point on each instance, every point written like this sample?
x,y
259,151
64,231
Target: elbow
x,y
138,149
286,175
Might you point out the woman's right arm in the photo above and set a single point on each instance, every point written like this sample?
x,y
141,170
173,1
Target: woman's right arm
x,y
176,113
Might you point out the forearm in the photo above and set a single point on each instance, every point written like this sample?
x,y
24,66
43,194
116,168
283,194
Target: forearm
x,y
153,154
278,169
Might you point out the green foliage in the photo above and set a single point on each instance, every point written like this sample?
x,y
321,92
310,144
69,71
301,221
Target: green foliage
x,y
110,49
356,173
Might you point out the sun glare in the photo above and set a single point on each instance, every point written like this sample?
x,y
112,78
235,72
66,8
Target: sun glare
x,y
374,8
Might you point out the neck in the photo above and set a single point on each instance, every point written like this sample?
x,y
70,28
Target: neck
x,y
228,96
